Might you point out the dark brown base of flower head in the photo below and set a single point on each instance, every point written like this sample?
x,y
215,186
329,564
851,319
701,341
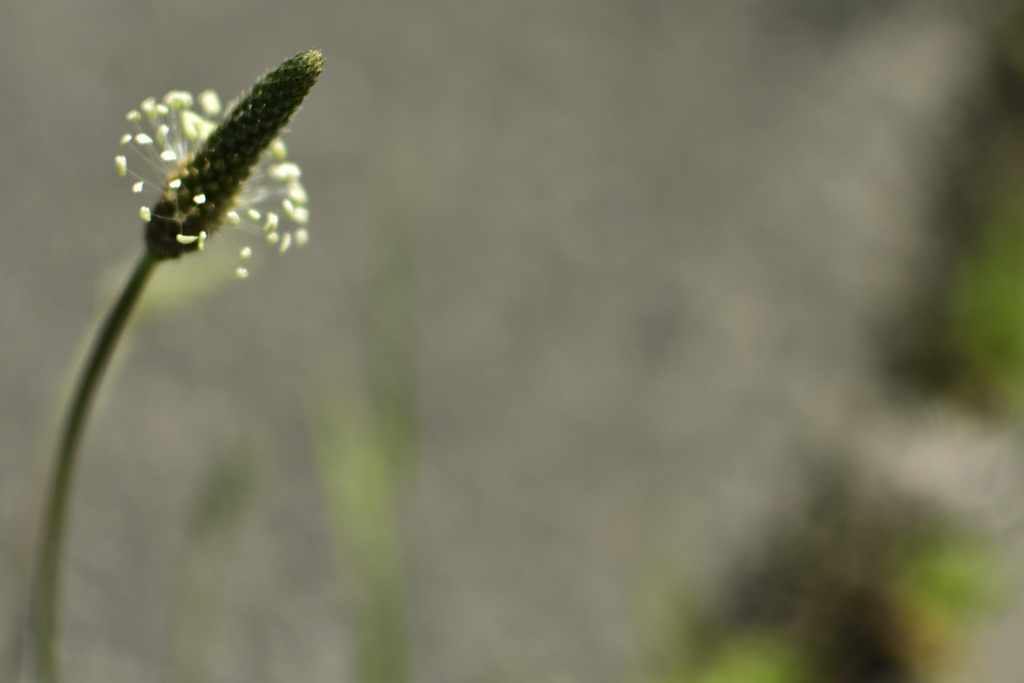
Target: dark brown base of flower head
x,y
162,232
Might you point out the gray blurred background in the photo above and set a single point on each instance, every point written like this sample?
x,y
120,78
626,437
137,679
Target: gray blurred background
x,y
599,278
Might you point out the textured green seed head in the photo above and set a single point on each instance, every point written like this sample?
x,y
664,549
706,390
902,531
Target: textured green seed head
x,y
203,189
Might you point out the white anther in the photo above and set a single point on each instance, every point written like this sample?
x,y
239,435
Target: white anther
x,y
232,218
161,133
178,99
254,214
301,215
273,237
278,150
126,138
272,221
199,199
245,254
241,273
137,187
286,242
209,102
195,126
161,110
297,193
289,207
145,214
287,171
174,184
143,139
168,155
202,240
133,116
148,107
301,236
121,162
186,239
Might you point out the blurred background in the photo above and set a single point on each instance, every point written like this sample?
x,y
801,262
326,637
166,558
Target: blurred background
x,y
636,342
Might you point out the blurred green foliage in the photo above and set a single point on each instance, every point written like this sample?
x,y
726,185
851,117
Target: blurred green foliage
x,y
764,659
862,587
366,446
951,574
986,317
976,349
222,500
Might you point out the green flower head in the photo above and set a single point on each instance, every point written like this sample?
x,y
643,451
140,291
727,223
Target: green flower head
x,y
234,172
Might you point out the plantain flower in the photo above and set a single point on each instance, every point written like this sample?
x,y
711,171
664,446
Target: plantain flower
x,y
210,174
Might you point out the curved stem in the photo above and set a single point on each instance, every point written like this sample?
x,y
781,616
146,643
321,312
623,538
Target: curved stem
x,y
41,632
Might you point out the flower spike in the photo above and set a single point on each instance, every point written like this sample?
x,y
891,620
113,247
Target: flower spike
x,y
207,186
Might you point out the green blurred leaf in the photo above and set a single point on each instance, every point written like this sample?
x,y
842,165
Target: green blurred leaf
x,y
750,660
957,577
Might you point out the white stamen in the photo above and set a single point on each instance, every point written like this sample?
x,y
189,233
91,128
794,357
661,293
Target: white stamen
x,y
297,193
168,155
174,184
241,273
273,238
288,171
137,187
278,150
186,239
144,212
286,242
178,99
254,214
161,110
126,138
301,236
195,126
143,139
209,102
161,133
245,254
272,221
133,115
301,215
199,199
232,218
202,240
121,162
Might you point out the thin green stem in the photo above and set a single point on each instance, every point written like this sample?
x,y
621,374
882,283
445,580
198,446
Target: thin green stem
x,y
42,629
